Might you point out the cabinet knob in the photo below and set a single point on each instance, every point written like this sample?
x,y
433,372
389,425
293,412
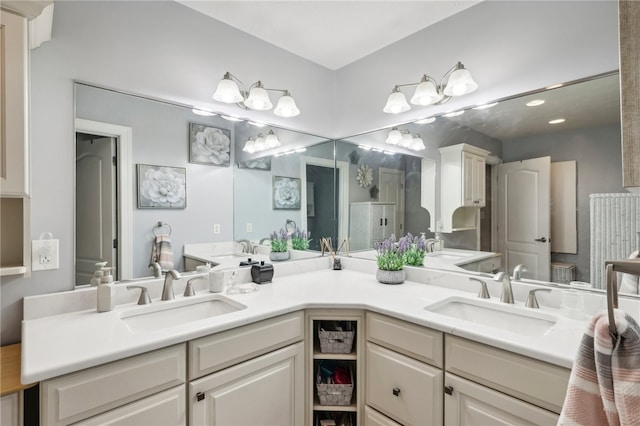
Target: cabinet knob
x,y
199,396
396,391
448,390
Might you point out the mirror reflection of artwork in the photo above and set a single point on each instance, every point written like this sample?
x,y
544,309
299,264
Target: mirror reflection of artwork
x,y
209,145
161,187
286,193
263,163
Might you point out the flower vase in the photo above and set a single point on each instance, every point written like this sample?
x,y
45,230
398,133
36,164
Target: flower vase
x,y
390,277
277,256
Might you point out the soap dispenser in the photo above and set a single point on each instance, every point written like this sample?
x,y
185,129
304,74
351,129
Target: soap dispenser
x,y
106,291
98,274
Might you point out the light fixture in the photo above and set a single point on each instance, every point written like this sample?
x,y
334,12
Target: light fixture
x,y
249,146
394,137
455,82
231,90
404,139
271,140
261,142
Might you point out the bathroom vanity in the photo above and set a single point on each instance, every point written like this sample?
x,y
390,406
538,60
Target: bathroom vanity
x,y
410,359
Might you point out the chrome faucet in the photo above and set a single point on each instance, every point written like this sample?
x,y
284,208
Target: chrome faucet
x,y
246,245
157,270
517,272
507,292
430,243
167,290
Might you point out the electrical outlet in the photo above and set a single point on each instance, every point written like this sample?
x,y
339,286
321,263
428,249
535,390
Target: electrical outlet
x,y
249,227
216,228
44,255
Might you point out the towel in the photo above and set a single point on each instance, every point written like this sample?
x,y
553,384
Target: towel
x,y
604,386
161,252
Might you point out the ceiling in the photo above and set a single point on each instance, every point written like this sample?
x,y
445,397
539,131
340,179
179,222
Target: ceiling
x,y
328,32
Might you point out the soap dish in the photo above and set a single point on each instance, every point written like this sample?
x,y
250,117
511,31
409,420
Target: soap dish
x,y
242,288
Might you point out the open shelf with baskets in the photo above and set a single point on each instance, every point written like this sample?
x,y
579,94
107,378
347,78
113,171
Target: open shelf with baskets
x,y
335,365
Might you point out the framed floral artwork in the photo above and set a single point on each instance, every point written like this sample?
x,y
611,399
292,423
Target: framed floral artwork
x,y
162,187
286,193
209,145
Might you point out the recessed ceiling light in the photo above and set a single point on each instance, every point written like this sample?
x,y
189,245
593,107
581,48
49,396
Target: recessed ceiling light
x,y
535,102
229,118
453,114
557,121
485,106
203,112
427,120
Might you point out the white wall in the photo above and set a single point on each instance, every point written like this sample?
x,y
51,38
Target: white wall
x,y
510,47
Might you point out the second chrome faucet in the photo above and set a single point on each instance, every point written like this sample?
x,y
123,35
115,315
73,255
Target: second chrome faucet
x,y
167,289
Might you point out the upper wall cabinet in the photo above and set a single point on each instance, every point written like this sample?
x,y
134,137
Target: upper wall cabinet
x,y
462,191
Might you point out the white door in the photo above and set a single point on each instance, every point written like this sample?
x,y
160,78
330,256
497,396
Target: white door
x,y
469,404
96,227
524,216
391,184
268,390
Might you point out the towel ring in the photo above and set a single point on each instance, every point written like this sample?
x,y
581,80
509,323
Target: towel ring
x,y
613,266
159,226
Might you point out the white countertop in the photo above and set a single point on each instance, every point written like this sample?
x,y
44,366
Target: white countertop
x,y
448,258
56,344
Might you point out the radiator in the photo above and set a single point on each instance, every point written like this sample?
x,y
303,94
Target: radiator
x,y
563,273
615,231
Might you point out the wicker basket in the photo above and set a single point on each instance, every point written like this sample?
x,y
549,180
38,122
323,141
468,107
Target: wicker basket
x,y
334,394
335,342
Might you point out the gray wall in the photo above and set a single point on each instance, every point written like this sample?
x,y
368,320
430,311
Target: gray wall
x,y
597,153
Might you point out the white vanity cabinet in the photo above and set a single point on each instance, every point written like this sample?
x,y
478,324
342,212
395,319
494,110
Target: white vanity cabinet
x,y
249,375
404,377
488,385
462,183
130,390
370,223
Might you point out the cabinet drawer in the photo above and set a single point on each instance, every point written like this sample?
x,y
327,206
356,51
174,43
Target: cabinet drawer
x,y
80,395
530,380
374,418
410,339
213,353
167,408
406,390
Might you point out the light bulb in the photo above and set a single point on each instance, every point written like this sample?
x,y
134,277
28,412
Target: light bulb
x,y
227,91
286,106
396,102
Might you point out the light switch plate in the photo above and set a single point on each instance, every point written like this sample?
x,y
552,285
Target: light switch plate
x,y
45,255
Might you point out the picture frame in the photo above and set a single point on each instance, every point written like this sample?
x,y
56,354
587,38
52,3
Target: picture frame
x,y
161,187
209,145
286,193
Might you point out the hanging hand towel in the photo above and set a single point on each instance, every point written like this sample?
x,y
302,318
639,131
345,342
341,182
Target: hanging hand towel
x,y
604,386
162,253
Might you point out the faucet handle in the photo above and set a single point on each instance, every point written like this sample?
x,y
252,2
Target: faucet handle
x,y
188,290
144,294
484,292
532,301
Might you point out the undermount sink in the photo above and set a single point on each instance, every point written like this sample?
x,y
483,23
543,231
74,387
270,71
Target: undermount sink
x,y
504,317
163,315
448,255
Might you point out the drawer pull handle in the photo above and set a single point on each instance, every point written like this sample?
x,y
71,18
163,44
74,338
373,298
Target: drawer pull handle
x,y
396,391
199,396
448,390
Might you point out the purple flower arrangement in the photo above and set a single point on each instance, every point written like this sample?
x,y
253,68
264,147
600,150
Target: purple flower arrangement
x,y
414,249
300,239
390,254
279,241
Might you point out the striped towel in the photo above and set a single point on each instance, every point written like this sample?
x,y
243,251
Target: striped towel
x,y
162,253
604,386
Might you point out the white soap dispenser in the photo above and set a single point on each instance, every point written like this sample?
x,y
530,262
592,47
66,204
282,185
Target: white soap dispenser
x,y
97,274
106,291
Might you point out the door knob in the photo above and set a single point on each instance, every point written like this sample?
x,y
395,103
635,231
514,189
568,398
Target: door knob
x,y
541,240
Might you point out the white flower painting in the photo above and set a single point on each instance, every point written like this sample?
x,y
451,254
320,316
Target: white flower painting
x,y
286,193
209,145
162,187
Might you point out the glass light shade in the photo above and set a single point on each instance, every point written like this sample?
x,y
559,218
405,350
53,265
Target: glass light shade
x,y
396,103
417,144
271,140
394,137
286,106
227,91
258,99
426,94
407,140
249,146
259,144
460,83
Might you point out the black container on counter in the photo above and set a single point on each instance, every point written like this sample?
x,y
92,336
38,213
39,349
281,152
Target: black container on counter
x,y
262,273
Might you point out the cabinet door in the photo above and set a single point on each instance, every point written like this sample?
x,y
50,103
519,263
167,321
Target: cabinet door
x,y
408,391
467,403
377,222
468,179
268,390
479,184
163,409
374,418
389,223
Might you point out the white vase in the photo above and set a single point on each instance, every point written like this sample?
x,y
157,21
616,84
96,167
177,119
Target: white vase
x,y
277,256
390,277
